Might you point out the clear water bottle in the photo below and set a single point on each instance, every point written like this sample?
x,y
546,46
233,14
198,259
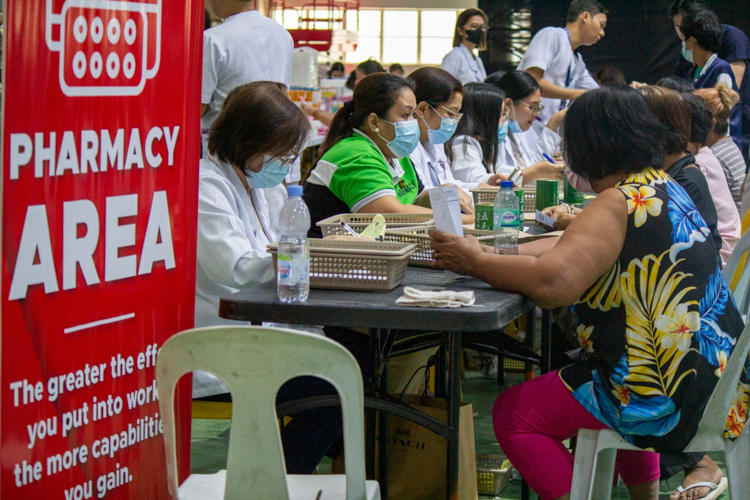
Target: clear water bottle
x,y
506,220
293,264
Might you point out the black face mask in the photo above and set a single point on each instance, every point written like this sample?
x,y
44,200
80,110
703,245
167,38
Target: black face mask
x,y
475,36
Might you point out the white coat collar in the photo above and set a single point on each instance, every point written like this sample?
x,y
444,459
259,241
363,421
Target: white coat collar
x,y
468,53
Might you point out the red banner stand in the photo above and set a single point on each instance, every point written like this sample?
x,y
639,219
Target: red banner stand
x,y
100,149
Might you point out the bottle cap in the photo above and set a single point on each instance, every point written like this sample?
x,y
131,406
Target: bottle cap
x,y
506,184
294,190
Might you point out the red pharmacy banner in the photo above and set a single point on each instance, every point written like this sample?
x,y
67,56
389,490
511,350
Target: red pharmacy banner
x,y
100,153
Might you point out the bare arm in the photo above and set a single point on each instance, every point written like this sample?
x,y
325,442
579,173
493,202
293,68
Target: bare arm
x,y
535,248
543,170
391,205
323,117
738,68
539,247
550,90
560,276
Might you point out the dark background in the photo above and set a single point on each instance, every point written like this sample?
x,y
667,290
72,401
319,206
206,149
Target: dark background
x,y
640,39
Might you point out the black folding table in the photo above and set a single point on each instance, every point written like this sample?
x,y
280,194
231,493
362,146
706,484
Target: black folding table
x,y
385,320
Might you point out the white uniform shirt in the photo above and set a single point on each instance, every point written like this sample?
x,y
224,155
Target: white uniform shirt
x,y
547,143
550,51
233,233
462,64
247,47
467,163
433,167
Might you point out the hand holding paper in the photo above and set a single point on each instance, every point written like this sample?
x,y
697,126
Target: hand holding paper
x,y
446,209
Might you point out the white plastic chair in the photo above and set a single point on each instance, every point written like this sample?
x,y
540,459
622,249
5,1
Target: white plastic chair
x,y
741,290
255,362
596,450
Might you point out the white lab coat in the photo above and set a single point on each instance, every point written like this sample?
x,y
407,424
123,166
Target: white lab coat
x,y
233,233
467,163
550,51
462,64
434,169
547,142
247,47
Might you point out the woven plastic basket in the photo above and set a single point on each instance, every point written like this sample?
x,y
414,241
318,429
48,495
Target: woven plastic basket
x,y
491,478
424,256
487,195
332,225
352,265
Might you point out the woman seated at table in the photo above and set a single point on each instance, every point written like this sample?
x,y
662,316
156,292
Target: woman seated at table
x,y
364,164
673,111
439,96
636,271
720,102
523,97
728,222
257,135
475,147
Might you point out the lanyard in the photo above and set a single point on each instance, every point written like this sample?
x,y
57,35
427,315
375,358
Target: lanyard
x,y
434,176
572,70
257,218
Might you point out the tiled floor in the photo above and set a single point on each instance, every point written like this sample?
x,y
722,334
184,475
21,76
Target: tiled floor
x,y
210,438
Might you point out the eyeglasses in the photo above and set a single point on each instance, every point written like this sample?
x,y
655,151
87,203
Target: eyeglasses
x,y
454,115
534,109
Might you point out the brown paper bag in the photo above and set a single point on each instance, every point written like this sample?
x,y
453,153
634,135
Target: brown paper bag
x,y
417,456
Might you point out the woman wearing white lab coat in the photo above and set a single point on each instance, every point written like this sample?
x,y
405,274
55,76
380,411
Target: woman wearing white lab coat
x,y
439,97
522,161
251,146
470,34
474,148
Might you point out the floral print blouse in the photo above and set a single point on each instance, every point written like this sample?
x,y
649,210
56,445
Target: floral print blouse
x,y
656,329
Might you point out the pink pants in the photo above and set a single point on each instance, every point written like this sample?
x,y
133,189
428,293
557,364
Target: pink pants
x,y
531,422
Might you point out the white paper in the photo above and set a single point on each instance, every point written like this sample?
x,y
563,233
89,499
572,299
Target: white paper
x,y
545,219
446,209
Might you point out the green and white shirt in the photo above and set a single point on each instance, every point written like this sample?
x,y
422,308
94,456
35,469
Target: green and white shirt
x,y
352,174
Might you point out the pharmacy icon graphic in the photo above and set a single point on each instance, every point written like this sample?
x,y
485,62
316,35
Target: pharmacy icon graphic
x,y
106,47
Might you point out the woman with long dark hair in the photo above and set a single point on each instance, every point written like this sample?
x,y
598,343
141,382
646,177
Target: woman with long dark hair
x,y
523,99
474,149
470,33
364,164
439,98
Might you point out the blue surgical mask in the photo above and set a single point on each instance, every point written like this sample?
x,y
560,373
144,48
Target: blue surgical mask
x,y
687,54
272,173
445,132
502,132
406,140
515,127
